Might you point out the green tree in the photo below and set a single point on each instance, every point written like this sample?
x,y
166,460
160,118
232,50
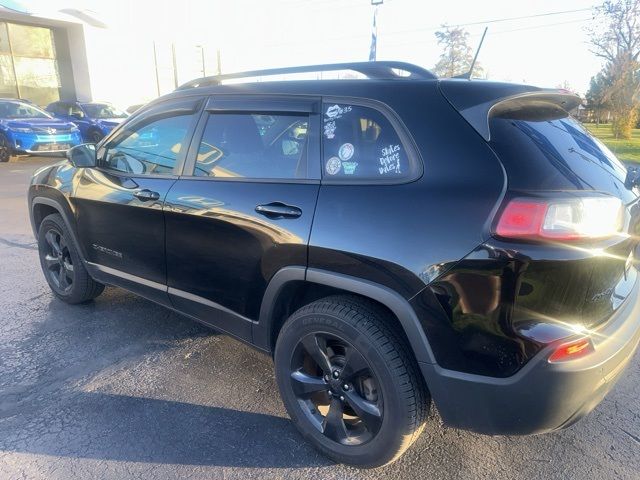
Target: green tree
x,y
597,95
616,39
457,55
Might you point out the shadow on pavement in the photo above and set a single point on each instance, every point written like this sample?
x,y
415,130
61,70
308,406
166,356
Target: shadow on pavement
x,y
124,428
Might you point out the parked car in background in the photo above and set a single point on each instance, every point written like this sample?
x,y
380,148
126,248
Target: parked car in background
x,y
27,129
94,119
134,108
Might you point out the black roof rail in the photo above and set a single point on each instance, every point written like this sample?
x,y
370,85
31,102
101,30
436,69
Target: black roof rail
x,y
373,70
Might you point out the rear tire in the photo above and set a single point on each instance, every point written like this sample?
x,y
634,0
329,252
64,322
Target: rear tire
x,y
61,264
349,382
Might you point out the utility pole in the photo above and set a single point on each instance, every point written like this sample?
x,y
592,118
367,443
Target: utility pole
x,y
175,65
204,70
374,33
155,64
219,72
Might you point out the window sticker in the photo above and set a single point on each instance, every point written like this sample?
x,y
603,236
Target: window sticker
x,y
336,111
345,152
349,167
390,160
333,165
330,129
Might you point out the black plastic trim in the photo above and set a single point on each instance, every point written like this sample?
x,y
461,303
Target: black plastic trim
x,y
39,200
392,300
261,332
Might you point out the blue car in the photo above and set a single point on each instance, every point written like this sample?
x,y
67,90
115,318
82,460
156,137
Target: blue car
x,y
95,120
27,129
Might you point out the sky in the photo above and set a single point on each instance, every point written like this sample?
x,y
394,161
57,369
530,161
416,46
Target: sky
x,y
547,50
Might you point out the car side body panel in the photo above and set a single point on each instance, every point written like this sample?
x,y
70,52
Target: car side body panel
x,y
407,235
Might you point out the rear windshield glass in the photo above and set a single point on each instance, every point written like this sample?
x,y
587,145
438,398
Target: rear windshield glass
x,y
553,153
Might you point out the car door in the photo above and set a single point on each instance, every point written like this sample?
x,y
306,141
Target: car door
x,y
243,207
77,116
65,111
119,203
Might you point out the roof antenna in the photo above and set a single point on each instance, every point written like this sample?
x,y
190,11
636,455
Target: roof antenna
x,y
473,64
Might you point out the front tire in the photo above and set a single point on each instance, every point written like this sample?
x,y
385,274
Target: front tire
x,y
61,264
95,136
5,148
349,382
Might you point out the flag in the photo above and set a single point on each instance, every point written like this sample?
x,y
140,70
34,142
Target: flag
x,y
374,38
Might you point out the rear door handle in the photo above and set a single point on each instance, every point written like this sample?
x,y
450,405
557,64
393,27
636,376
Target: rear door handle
x,y
278,210
146,195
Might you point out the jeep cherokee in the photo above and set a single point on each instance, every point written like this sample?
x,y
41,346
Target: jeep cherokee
x,y
391,240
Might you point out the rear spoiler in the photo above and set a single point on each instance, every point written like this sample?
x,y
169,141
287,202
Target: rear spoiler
x,y
477,104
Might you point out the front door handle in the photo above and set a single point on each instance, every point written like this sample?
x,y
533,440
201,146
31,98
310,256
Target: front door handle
x,y
146,195
278,210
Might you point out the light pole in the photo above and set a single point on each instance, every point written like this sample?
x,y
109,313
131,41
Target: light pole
x,y
204,70
374,33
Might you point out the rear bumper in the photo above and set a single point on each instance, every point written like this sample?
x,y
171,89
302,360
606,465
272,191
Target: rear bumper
x,y
542,396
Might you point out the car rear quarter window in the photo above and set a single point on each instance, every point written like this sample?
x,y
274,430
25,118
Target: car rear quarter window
x,y
360,143
253,146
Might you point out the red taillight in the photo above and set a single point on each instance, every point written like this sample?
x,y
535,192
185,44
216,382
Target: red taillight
x,y
572,350
522,219
570,218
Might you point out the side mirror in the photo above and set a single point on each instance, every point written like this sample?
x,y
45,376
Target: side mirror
x,y
83,156
633,178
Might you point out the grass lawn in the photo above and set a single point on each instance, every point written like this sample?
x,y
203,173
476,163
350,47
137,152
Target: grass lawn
x,y
625,150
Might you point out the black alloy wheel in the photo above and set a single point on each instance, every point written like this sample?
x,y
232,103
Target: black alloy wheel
x,y
336,389
62,265
349,380
58,262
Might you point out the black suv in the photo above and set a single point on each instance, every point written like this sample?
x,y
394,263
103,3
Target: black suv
x,y
390,240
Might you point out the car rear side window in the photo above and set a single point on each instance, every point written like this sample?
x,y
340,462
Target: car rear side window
x,y
253,146
360,143
149,147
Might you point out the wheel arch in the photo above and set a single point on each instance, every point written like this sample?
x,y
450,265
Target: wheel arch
x,y
42,206
292,287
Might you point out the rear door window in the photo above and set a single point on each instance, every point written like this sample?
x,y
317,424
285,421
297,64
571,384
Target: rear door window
x,y
254,146
360,143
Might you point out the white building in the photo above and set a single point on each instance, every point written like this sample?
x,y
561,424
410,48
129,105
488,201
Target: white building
x,y
72,54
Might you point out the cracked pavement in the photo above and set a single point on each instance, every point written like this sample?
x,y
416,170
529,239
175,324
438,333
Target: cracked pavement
x,y
122,388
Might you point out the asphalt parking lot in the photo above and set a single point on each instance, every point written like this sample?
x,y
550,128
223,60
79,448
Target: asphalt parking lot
x,y
122,388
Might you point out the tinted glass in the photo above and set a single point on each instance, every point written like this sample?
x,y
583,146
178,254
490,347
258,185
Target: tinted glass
x,y
8,85
553,152
148,148
4,38
28,67
253,146
21,110
7,78
359,142
103,110
38,79
28,41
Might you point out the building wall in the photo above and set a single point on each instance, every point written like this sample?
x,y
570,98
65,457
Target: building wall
x,y
122,63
